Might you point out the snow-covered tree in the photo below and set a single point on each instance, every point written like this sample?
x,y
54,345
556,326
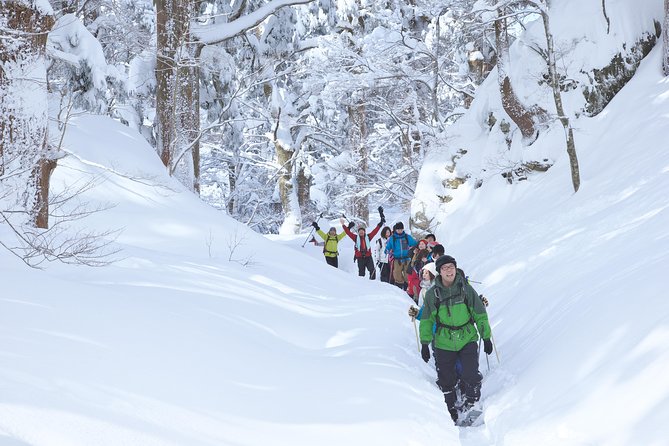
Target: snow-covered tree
x,y
26,158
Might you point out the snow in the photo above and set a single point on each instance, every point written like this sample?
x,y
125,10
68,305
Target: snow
x,y
219,32
205,333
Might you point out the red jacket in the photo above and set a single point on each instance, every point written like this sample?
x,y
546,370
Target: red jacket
x,y
354,237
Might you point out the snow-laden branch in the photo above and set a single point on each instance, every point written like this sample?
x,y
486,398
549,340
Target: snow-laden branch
x,y
213,34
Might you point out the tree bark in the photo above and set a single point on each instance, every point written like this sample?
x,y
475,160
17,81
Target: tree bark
x,y
23,105
177,91
303,187
287,188
557,96
357,117
523,117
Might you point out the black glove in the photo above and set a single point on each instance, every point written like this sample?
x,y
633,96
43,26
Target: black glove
x,y
383,217
383,220
425,352
487,346
316,227
350,225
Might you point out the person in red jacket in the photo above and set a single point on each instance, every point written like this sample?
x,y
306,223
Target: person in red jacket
x,y
363,247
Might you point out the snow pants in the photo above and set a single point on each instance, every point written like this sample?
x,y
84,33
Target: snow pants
x,y
385,272
332,261
447,377
400,268
366,263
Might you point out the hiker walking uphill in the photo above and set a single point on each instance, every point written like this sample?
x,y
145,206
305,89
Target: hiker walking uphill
x,y
398,245
331,247
363,247
460,316
382,258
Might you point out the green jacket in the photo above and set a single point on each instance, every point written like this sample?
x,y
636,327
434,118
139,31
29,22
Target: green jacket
x,y
460,309
331,243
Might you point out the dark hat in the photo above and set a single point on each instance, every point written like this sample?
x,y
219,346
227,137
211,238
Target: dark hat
x,y
398,225
443,260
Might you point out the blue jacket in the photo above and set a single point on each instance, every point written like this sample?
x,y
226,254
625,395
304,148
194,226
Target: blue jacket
x,y
399,245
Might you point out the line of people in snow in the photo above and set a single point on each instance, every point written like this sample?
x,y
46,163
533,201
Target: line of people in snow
x,y
452,314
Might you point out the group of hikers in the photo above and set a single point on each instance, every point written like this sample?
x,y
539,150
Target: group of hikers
x,y
452,314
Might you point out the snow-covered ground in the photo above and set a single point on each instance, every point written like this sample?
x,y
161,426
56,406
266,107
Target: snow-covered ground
x,y
205,333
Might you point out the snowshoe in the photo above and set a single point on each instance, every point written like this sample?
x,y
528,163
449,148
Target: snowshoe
x,y
469,414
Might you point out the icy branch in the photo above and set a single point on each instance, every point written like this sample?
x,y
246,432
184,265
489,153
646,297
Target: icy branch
x,y
217,33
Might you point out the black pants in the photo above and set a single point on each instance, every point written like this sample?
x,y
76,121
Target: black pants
x,y
470,379
368,263
332,261
385,272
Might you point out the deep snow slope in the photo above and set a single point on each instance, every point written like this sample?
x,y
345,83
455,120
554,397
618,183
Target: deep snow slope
x,y
189,340
576,281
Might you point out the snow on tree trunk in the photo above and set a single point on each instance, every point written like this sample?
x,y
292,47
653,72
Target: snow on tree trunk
x,y
285,156
25,158
303,186
177,96
665,39
519,113
564,119
357,117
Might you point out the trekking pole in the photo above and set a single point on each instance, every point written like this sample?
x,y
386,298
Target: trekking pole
x,y
495,348
469,280
413,319
312,230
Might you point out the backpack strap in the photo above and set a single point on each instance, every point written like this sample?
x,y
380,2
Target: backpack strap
x,y
329,238
437,294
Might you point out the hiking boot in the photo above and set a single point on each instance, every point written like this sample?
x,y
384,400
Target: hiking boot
x,y
465,407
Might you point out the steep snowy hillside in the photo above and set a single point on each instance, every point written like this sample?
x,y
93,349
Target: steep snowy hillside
x,y
203,333
596,55
575,280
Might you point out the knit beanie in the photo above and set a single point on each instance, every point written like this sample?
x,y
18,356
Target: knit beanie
x,y
398,225
443,260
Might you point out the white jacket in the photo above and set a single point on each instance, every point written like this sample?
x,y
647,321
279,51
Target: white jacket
x,y
380,250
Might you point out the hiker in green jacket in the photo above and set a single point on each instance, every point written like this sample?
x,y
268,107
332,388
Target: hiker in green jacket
x,y
330,249
460,317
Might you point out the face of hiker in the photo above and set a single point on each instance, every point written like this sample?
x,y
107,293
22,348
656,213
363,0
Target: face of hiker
x,y
332,231
422,245
361,232
426,275
447,272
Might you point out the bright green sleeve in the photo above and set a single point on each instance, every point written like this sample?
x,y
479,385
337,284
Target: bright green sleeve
x,y
322,234
341,236
428,318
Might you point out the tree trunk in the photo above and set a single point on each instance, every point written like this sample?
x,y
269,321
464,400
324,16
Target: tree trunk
x,y
287,190
519,114
562,116
357,117
303,186
166,49
41,176
177,92
23,106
